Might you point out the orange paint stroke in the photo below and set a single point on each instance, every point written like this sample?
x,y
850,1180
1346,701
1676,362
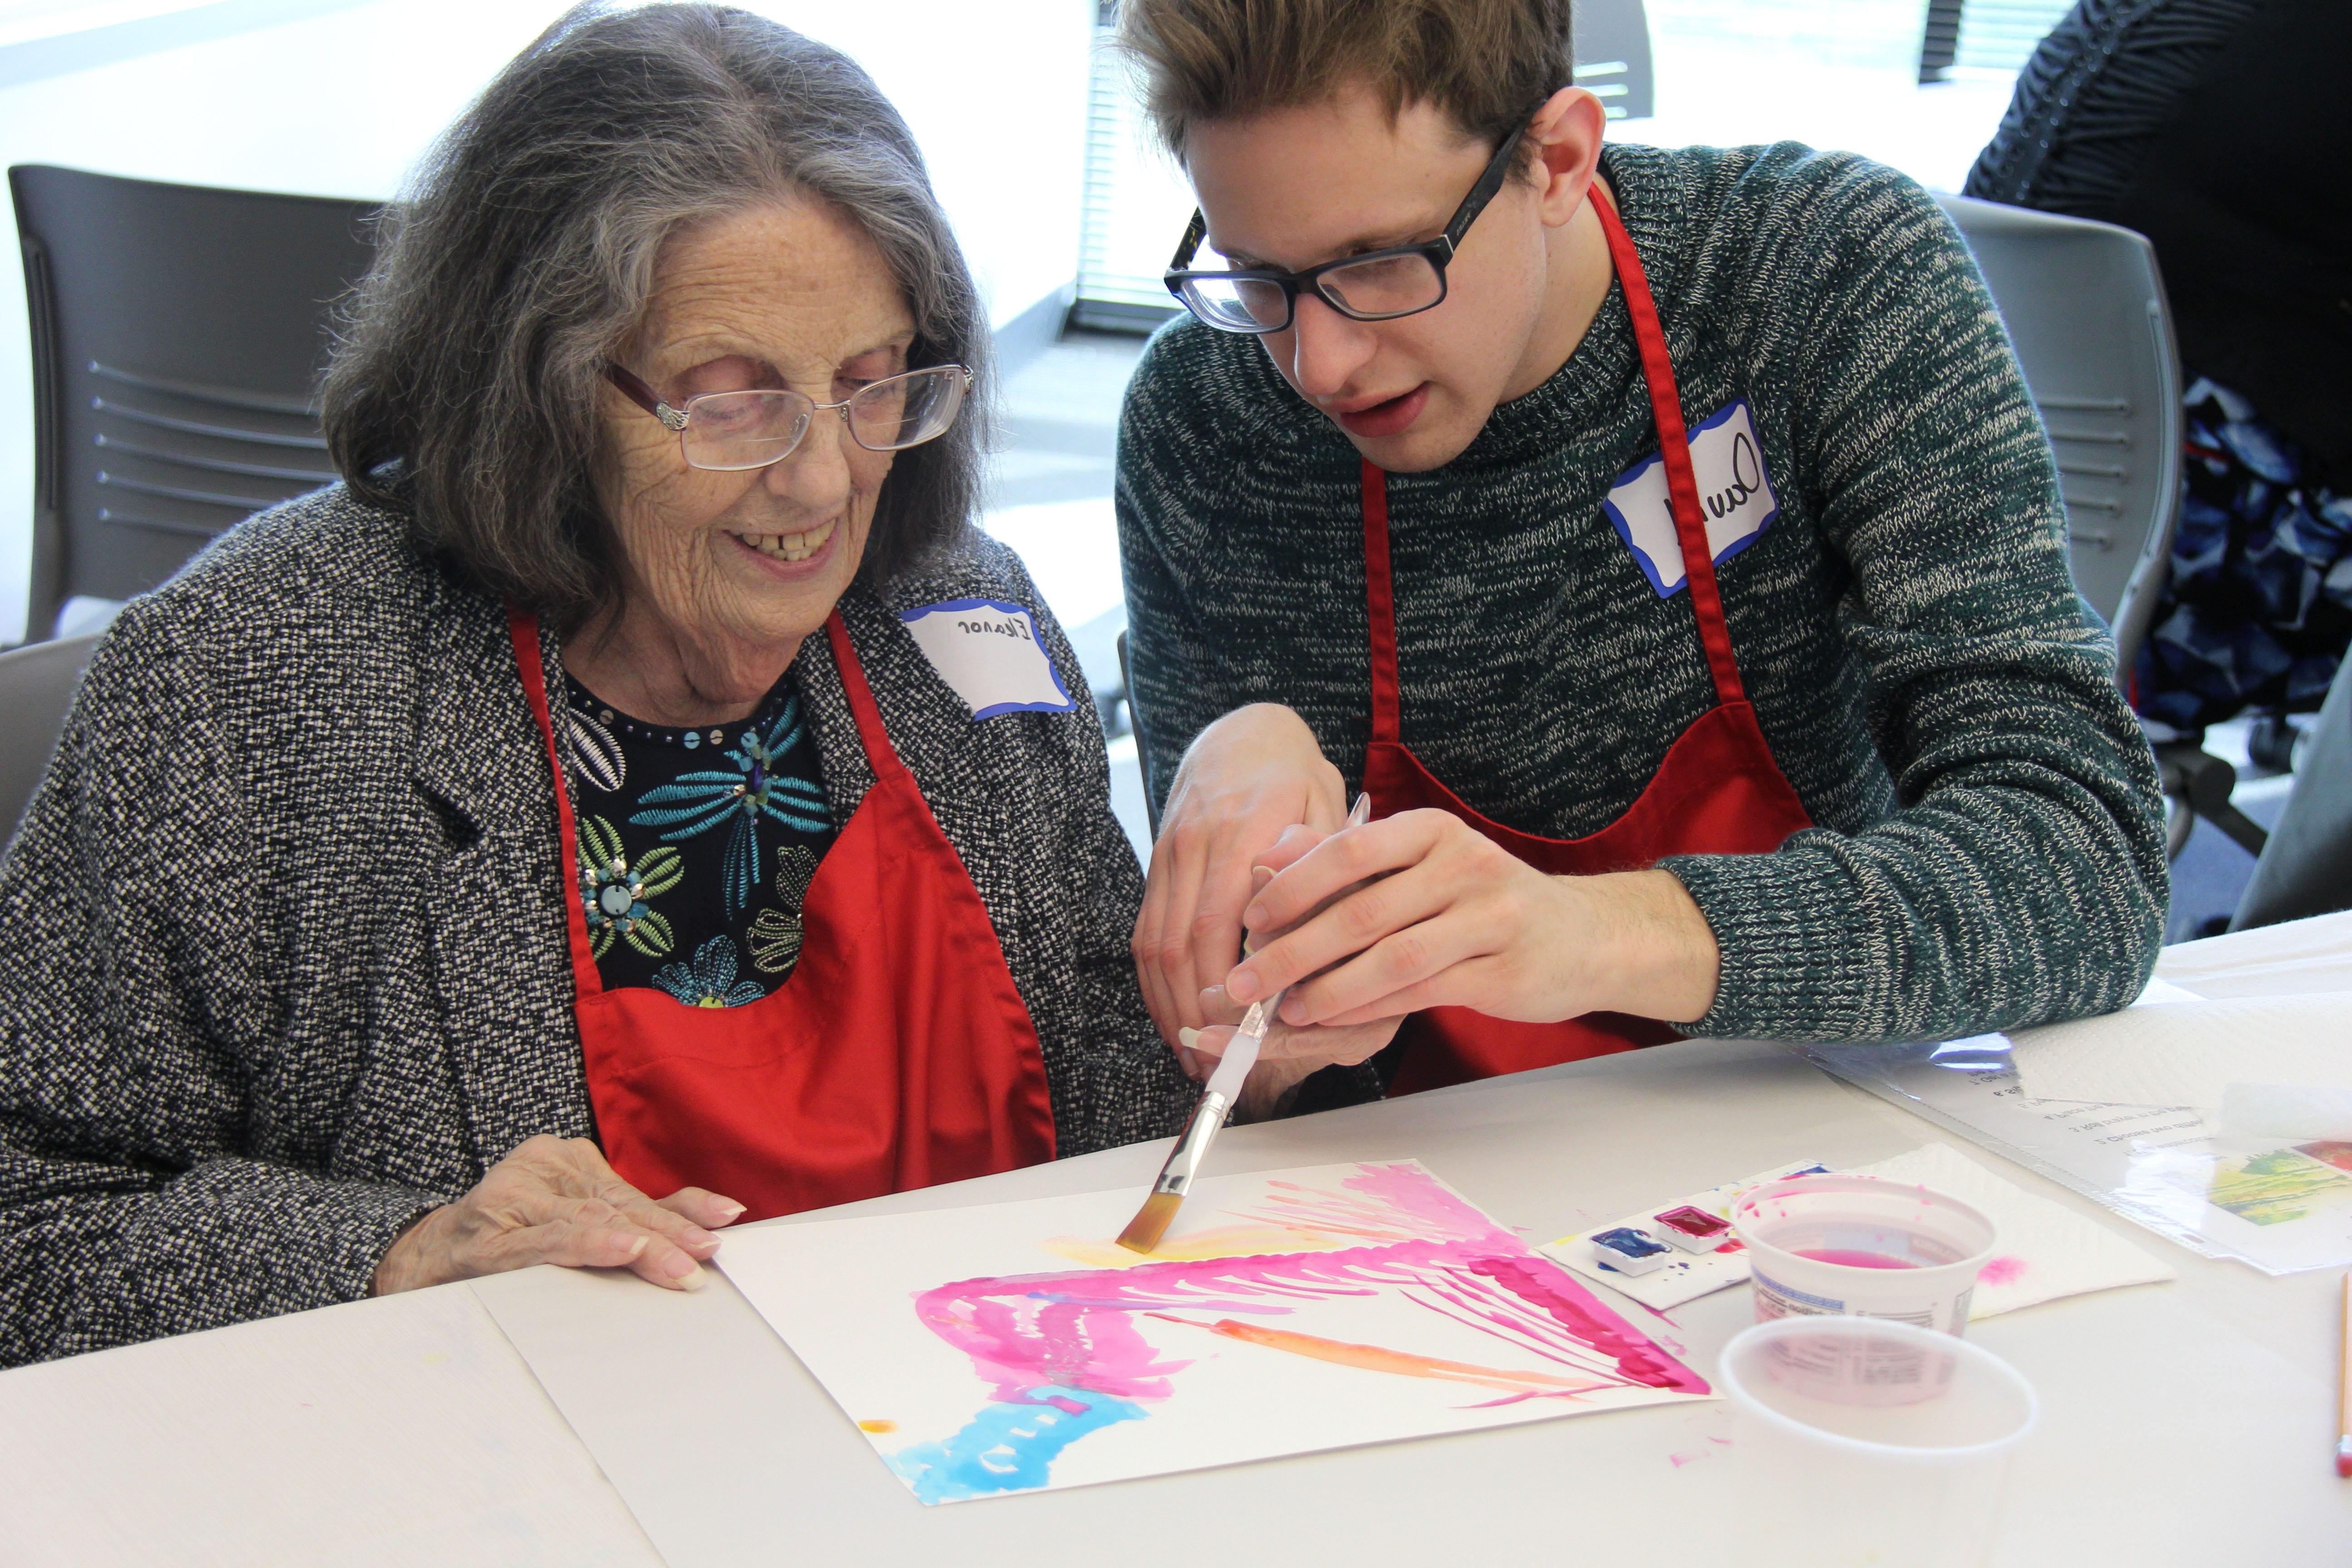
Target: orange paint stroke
x,y
1378,1358
877,1425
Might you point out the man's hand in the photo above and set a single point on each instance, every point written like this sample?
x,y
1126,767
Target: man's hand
x,y
1247,777
1289,1055
1444,917
554,1200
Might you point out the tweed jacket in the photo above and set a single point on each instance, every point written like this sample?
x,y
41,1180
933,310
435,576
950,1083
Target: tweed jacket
x,y
286,953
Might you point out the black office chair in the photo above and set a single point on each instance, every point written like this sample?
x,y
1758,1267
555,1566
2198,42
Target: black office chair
x,y
178,333
1612,57
2306,866
36,686
2086,308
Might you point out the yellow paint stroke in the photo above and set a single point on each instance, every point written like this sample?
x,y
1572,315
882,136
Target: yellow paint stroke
x,y
1200,1246
877,1425
1378,1358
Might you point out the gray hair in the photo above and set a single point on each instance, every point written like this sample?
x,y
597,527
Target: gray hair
x,y
465,381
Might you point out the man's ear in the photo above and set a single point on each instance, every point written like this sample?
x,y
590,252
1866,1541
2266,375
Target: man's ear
x,y
1568,130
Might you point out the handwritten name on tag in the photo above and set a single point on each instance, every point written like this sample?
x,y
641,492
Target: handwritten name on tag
x,y
989,654
1735,497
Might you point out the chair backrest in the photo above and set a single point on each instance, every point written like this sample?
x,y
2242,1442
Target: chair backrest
x,y
1612,57
2085,306
2306,866
178,333
36,686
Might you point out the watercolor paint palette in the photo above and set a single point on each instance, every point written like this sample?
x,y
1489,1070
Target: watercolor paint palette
x,y
1016,1347
2043,1251
1683,1275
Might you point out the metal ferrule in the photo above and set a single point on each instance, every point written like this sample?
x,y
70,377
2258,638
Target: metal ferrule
x,y
1184,1159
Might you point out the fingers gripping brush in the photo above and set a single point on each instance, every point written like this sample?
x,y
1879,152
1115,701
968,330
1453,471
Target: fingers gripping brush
x,y
1159,1211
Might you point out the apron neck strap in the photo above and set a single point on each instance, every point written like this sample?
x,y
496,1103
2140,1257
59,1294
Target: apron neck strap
x,y
1682,493
1674,448
1380,603
522,630
880,755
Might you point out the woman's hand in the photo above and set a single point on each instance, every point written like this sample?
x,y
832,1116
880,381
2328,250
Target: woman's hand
x,y
554,1200
1289,1055
1247,777
1425,911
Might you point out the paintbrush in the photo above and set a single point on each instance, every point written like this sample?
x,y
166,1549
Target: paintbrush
x,y
1217,1101
2343,1392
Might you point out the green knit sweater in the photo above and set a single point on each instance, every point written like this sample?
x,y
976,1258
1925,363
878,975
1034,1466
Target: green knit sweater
x,y
1989,851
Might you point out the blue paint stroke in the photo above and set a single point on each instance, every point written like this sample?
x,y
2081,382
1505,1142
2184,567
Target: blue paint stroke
x,y
1008,1447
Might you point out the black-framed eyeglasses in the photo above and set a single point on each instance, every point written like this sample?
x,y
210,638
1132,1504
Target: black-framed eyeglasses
x,y
732,431
1377,286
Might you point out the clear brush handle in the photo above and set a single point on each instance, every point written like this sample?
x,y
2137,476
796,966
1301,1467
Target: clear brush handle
x,y
1243,1052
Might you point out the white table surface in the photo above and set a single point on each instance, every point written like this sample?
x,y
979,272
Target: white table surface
x,y
2188,1423
404,1430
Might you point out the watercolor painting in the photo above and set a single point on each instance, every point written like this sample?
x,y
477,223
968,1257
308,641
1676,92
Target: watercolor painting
x,y
2328,1153
1283,1313
2278,1187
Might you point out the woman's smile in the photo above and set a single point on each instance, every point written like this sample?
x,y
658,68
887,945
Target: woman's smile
x,y
804,548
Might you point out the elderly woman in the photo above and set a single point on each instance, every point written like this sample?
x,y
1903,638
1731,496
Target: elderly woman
x,y
633,800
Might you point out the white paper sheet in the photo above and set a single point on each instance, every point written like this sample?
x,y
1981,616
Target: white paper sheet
x,y
2188,1053
1016,1347
2281,1210
2043,1251
2255,1116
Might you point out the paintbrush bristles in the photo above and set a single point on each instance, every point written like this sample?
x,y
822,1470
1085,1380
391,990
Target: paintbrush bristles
x,y
1150,1222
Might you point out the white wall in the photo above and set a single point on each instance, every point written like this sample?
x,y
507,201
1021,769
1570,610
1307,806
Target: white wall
x,y
1833,73
340,104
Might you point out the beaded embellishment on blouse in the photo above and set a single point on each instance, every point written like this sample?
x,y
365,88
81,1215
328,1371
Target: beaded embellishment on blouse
x,y
695,846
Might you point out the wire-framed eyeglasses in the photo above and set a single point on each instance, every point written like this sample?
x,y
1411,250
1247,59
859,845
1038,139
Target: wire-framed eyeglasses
x,y
1377,286
731,431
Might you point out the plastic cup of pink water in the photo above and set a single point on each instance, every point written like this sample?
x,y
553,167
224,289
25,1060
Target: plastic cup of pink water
x,y
1838,1246
1829,1475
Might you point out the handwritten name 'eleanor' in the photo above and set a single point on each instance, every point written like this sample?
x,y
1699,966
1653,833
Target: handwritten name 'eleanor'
x,y
1011,628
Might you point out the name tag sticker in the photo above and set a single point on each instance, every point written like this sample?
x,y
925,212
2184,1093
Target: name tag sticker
x,y
1735,496
988,653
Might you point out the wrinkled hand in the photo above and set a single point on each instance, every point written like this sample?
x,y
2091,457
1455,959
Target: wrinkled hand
x,y
1290,1052
554,1200
1249,775
1422,910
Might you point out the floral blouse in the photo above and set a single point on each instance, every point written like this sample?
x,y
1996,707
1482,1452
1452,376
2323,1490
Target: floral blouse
x,y
695,846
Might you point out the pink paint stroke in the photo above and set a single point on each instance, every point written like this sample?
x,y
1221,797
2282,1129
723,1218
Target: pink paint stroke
x,y
1652,1311
1077,1329
2001,1271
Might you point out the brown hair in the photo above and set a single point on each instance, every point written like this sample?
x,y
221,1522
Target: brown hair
x,y
1486,64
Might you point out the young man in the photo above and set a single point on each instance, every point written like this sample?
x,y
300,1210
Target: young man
x,y
1664,539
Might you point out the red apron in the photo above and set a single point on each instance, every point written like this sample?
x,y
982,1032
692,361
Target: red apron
x,y
1717,792
897,1054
